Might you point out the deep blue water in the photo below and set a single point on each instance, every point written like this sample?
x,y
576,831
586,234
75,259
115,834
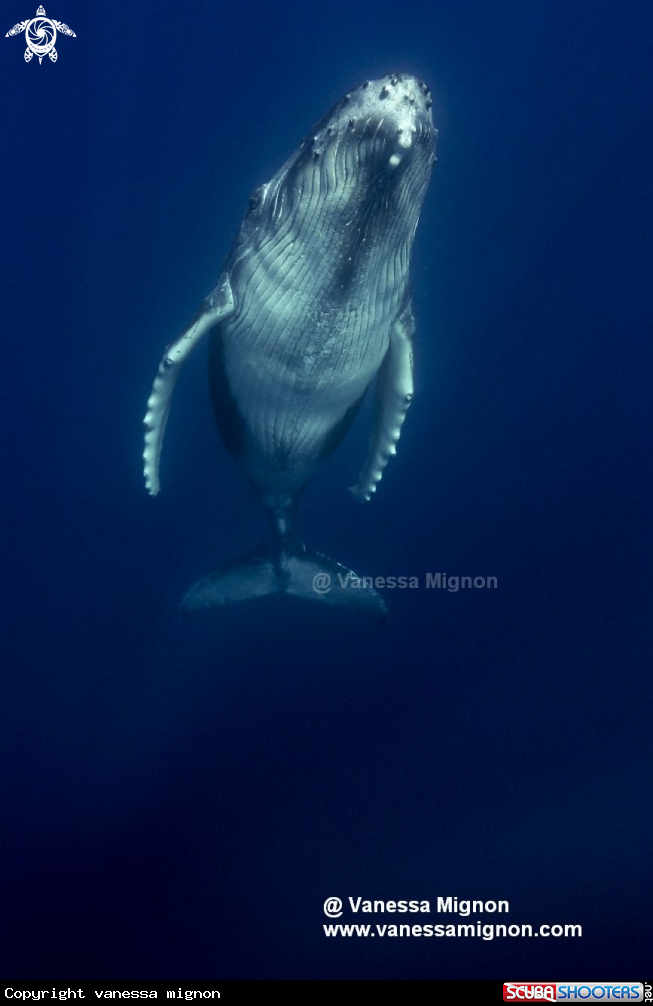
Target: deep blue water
x,y
180,795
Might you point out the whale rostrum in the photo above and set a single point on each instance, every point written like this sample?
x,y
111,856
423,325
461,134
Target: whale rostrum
x,y
312,307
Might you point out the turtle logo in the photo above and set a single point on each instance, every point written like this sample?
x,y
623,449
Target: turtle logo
x,y
40,35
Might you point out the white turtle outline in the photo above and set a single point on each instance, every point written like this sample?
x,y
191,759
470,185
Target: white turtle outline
x,y
32,48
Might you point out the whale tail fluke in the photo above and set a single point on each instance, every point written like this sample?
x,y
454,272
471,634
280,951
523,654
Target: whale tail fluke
x,y
296,570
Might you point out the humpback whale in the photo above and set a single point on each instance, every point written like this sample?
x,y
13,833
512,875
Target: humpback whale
x,y
311,308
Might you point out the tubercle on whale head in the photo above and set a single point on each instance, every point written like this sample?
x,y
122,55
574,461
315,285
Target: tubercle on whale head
x,y
396,95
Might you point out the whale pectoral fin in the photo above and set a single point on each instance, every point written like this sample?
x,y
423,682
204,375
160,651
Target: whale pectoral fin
x,y
394,393
217,306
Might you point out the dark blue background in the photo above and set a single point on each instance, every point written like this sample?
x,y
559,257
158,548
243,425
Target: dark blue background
x,y
179,796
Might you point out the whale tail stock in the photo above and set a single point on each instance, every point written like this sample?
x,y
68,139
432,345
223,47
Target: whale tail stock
x,y
285,567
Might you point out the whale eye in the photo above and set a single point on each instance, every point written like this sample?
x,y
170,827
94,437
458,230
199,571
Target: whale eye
x,y
257,197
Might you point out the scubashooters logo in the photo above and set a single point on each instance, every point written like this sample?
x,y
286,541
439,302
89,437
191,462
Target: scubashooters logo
x,y
40,35
572,992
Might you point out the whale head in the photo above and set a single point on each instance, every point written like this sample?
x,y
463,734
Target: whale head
x,y
353,190
385,125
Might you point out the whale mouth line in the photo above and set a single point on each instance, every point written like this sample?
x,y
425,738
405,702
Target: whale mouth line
x,y
381,141
368,126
